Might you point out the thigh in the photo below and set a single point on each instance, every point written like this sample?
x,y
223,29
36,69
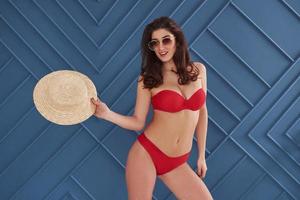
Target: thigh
x,y
140,173
186,184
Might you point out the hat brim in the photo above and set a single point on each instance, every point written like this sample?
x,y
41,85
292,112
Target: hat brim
x,y
64,116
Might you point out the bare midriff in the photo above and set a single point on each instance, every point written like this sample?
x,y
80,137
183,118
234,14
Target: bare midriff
x,y
172,133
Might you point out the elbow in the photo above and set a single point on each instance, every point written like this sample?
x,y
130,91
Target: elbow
x,y
139,125
140,128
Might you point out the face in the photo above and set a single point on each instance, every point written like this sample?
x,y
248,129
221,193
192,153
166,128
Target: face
x,y
163,43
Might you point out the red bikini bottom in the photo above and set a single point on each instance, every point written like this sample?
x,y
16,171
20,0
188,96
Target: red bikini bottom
x,y
162,162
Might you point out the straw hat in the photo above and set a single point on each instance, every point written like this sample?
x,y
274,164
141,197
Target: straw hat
x,y
63,97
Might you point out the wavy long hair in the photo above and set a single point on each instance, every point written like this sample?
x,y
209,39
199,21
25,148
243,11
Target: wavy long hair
x,y
151,69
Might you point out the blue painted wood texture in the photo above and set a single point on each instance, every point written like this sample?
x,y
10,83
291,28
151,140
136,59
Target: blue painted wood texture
x,y
251,50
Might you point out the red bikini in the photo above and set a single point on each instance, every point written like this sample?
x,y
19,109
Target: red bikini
x,y
170,101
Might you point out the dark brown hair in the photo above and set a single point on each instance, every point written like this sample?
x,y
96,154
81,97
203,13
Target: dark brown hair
x,y
152,66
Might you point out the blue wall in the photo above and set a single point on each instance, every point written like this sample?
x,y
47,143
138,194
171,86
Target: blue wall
x,y
251,51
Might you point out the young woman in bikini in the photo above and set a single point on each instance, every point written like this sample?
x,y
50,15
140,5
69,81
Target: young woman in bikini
x,y
176,88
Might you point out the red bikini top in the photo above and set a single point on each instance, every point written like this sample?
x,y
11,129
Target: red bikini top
x,y
171,101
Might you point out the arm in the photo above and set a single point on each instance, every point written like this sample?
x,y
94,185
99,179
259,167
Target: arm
x,y
126,122
201,128
138,119
201,131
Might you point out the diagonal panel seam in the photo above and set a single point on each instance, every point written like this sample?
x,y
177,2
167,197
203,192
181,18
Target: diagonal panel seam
x,y
177,8
290,8
274,159
245,151
133,59
13,53
89,132
74,179
224,106
73,197
76,167
23,40
6,64
229,173
253,186
224,78
107,13
82,187
239,58
115,54
274,85
229,136
297,121
98,22
93,65
15,91
219,74
275,104
67,37
210,23
103,139
236,142
210,153
24,116
48,161
192,15
42,36
117,26
269,133
217,125
133,82
117,78
280,196
262,167
24,150
254,140
78,25
100,142
242,13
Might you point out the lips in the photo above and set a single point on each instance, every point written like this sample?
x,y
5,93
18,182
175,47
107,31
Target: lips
x,y
163,54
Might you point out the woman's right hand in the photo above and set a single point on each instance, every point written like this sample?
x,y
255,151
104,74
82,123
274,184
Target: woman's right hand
x,y
101,110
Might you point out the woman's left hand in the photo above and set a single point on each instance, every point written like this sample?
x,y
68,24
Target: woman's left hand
x,y
202,168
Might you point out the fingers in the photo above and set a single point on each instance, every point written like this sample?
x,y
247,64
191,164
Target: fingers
x,y
203,172
96,102
198,171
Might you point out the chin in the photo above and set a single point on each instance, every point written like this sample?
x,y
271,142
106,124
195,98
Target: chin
x,y
164,60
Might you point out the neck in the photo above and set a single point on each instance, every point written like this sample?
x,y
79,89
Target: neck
x,y
169,65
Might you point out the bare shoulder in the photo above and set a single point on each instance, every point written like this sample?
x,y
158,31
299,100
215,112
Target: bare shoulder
x,y
201,68
140,78
141,85
140,81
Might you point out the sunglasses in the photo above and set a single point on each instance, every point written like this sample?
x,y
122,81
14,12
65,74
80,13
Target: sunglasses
x,y
166,41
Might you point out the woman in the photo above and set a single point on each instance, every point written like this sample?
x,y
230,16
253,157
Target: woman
x,y
176,87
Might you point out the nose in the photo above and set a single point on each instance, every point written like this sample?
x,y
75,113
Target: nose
x,y
161,46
